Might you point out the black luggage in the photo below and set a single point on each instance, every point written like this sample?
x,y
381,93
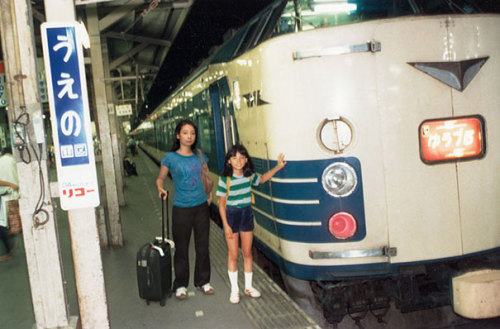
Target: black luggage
x,y
154,266
129,166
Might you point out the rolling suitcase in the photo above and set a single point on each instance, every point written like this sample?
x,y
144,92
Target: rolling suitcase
x,y
154,265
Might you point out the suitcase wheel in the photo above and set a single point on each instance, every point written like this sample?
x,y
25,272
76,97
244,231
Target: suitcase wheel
x,y
162,302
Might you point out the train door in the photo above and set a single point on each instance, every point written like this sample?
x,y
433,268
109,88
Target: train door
x,y
226,133
419,196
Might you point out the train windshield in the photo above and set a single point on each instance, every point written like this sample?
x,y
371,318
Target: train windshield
x,y
300,15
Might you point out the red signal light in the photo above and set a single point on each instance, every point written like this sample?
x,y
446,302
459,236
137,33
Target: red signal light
x,y
342,225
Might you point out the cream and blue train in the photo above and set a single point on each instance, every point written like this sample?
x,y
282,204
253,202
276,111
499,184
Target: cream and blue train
x,y
388,113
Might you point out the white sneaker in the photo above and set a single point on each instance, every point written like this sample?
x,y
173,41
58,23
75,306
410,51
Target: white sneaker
x,y
234,298
181,293
207,289
252,292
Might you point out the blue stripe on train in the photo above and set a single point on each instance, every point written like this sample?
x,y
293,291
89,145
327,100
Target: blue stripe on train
x,y
328,205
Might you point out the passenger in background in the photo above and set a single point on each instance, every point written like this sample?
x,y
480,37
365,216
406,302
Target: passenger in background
x,y
132,146
235,198
52,156
97,145
190,208
9,186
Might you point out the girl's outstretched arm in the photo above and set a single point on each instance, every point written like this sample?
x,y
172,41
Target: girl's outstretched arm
x,y
281,163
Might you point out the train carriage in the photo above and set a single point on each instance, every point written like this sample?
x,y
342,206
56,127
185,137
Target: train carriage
x,y
387,112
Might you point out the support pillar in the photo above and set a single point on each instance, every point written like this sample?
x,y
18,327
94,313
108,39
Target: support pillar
x,y
108,139
83,225
115,127
40,234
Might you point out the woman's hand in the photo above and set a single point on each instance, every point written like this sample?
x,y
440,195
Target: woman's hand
x,y
162,193
162,175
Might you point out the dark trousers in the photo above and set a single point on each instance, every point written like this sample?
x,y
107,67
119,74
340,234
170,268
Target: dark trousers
x,y
4,236
185,220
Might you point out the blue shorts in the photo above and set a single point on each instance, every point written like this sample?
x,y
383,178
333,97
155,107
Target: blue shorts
x,y
240,219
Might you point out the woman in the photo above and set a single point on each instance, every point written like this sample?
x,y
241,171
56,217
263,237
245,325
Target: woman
x,y
190,210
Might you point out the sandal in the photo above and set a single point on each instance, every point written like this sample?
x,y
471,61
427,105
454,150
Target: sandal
x,y
181,293
234,298
207,289
252,292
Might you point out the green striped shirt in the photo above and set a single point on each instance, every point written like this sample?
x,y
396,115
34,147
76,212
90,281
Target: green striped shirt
x,y
239,190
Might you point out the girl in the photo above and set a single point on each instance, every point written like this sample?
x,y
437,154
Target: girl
x,y
190,208
236,213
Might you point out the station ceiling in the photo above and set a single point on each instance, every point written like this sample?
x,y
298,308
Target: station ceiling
x,y
138,35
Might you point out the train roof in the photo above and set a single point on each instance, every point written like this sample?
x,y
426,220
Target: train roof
x,y
240,42
243,40
260,28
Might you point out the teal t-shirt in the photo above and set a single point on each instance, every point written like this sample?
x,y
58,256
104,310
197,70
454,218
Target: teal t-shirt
x,y
186,175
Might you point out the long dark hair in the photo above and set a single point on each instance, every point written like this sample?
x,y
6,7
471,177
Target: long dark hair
x,y
177,144
228,170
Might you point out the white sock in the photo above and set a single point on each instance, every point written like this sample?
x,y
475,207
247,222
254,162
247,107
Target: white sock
x,y
233,278
248,280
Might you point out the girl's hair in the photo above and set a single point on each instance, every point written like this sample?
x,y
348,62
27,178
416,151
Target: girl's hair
x,y
228,170
177,144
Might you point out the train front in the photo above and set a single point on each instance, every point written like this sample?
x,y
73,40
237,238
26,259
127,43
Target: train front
x,y
391,129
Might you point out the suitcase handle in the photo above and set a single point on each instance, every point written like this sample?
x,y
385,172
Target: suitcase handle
x,y
164,209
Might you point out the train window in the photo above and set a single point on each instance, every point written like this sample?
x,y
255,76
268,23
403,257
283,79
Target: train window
x,y
437,7
268,28
299,15
249,36
206,130
262,25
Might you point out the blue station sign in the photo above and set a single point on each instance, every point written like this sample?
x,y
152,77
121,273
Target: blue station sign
x,y
70,118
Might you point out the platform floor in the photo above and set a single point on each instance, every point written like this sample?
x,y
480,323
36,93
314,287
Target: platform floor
x,y
141,221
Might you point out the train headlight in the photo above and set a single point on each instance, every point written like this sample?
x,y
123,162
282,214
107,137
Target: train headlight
x,y
342,225
339,179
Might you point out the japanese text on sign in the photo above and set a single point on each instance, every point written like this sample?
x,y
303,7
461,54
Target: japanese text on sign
x,y
451,139
70,116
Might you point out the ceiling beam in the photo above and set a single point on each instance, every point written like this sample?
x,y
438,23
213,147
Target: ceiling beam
x,y
117,15
132,5
161,3
128,56
150,67
180,20
131,37
38,15
128,77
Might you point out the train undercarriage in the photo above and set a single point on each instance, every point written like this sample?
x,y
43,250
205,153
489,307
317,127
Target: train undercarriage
x,y
412,288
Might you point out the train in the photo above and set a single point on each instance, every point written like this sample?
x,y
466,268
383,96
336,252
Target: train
x,y
387,112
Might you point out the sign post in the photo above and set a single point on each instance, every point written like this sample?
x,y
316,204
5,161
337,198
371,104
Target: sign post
x,y
75,163
69,112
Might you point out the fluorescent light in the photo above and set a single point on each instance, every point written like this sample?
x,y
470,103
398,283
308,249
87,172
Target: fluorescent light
x,y
332,7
